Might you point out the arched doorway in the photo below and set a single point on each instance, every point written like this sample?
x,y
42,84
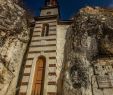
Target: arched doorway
x,y
38,83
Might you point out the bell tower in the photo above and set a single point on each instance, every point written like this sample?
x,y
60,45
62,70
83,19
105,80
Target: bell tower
x,y
40,76
50,8
42,66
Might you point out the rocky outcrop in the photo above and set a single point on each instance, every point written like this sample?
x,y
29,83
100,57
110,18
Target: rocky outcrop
x,y
88,53
14,36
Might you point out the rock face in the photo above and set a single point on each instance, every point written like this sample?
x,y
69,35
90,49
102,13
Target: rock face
x,y
14,36
88,68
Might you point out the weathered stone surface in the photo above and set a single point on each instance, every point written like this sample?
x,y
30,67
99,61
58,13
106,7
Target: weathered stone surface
x,y
89,43
14,36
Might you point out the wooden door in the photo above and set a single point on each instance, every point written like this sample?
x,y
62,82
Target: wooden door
x,y
38,83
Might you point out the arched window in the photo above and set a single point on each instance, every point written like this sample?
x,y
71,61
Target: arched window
x,y
45,30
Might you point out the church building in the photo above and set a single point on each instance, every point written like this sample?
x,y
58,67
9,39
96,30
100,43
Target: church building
x,y
43,61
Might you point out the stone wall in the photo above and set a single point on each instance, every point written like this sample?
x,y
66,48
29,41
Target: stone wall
x,y
14,36
89,39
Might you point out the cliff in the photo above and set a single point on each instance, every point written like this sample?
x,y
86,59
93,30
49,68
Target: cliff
x,y
14,36
88,63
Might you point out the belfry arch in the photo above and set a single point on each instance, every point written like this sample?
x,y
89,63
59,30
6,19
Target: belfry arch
x,y
38,81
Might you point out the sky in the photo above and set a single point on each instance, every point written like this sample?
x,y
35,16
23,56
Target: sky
x,y
67,7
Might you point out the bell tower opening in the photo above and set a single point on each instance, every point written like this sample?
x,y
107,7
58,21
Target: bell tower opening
x,y
38,83
45,30
51,3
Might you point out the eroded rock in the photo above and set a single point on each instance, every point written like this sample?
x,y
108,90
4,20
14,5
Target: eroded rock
x,y
14,36
89,43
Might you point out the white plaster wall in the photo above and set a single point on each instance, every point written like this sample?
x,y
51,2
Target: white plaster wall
x,y
61,33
